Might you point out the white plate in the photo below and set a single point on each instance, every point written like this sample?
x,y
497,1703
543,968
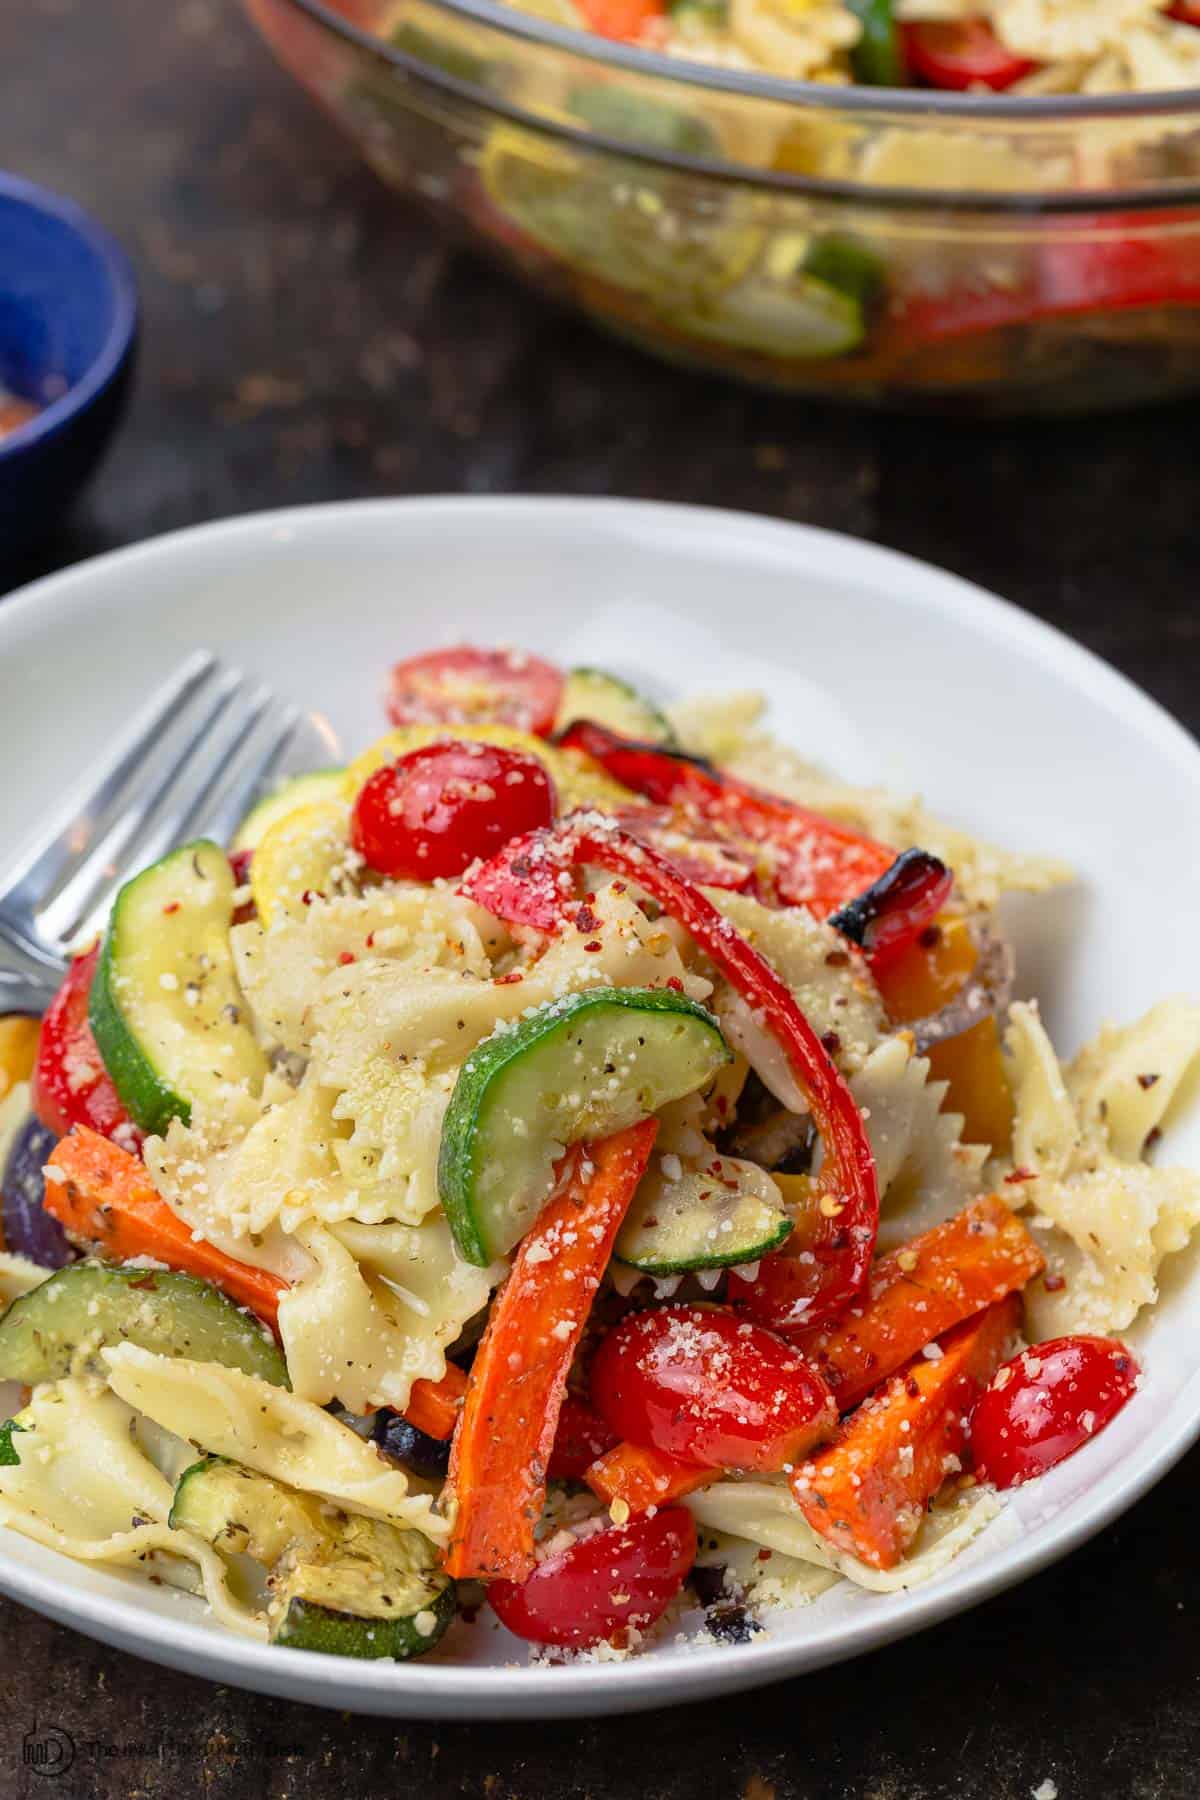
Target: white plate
x,y
880,665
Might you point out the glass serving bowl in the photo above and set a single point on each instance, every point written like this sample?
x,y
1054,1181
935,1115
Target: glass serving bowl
x,y
976,254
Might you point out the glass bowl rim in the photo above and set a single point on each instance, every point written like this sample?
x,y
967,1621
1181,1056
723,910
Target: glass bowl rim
x,y
921,105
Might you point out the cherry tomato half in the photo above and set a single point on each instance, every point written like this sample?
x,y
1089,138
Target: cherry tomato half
x,y
1046,1403
710,1388
618,1576
434,811
961,54
70,1085
475,687
581,1437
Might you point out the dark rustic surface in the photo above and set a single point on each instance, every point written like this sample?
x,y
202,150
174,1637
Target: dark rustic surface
x,y
306,340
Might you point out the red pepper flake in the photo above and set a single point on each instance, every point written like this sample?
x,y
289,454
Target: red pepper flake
x,y
1147,1081
172,906
831,1041
347,956
1019,1175
370,940
618,887
513,976
1054,1284
309,895
594,945
585,919
912,1388
674,983
763,1556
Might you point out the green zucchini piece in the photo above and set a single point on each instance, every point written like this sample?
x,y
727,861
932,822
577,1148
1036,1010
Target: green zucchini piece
x,y
795,316
166,1010
577,1068
606,699
8,1450
90,1304
239,1512
706,1219
340,1584
877,59
301,790
635,119
847,264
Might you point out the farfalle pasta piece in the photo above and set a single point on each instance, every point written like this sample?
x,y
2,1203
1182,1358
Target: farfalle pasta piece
x,y
439,1016
85,1486
926,1174
226,1413
1104,1219
1122,1083
765,1513
377,1311
826,975
283,970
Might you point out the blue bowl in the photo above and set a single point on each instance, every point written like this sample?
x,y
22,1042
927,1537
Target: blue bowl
x,y
68,331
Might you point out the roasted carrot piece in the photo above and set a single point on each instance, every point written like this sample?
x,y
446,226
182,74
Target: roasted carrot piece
x,y
918,1292
507,1426
645,1478
103,1195
867,1490
433,1406
918,981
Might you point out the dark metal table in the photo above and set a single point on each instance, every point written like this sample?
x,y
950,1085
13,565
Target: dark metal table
x,y
306,340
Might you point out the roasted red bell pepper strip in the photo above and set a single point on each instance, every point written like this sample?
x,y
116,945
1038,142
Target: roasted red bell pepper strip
x,y
813,861
505,1437
527,884
896,909
71,1086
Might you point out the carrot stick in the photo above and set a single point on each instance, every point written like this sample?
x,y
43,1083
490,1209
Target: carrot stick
x,y
645,1478
867,1490
433,1406
102,1194
507,1426
921,1290
106,1197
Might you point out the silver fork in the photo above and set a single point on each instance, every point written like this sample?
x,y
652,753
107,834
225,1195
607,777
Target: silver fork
x,y
206,744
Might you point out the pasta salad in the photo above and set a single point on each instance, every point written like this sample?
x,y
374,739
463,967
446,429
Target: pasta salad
x,y
577,1168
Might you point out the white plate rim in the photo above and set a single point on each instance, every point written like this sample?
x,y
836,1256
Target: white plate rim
x,y
443,1690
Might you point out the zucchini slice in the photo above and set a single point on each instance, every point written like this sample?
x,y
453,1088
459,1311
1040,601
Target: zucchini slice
x,y
305,852
165,1008
89,1304
301,790
606,699
713,1218
578,779
340,1584
577,1068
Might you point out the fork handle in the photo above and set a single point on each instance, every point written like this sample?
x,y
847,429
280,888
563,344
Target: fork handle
x,y
25,990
